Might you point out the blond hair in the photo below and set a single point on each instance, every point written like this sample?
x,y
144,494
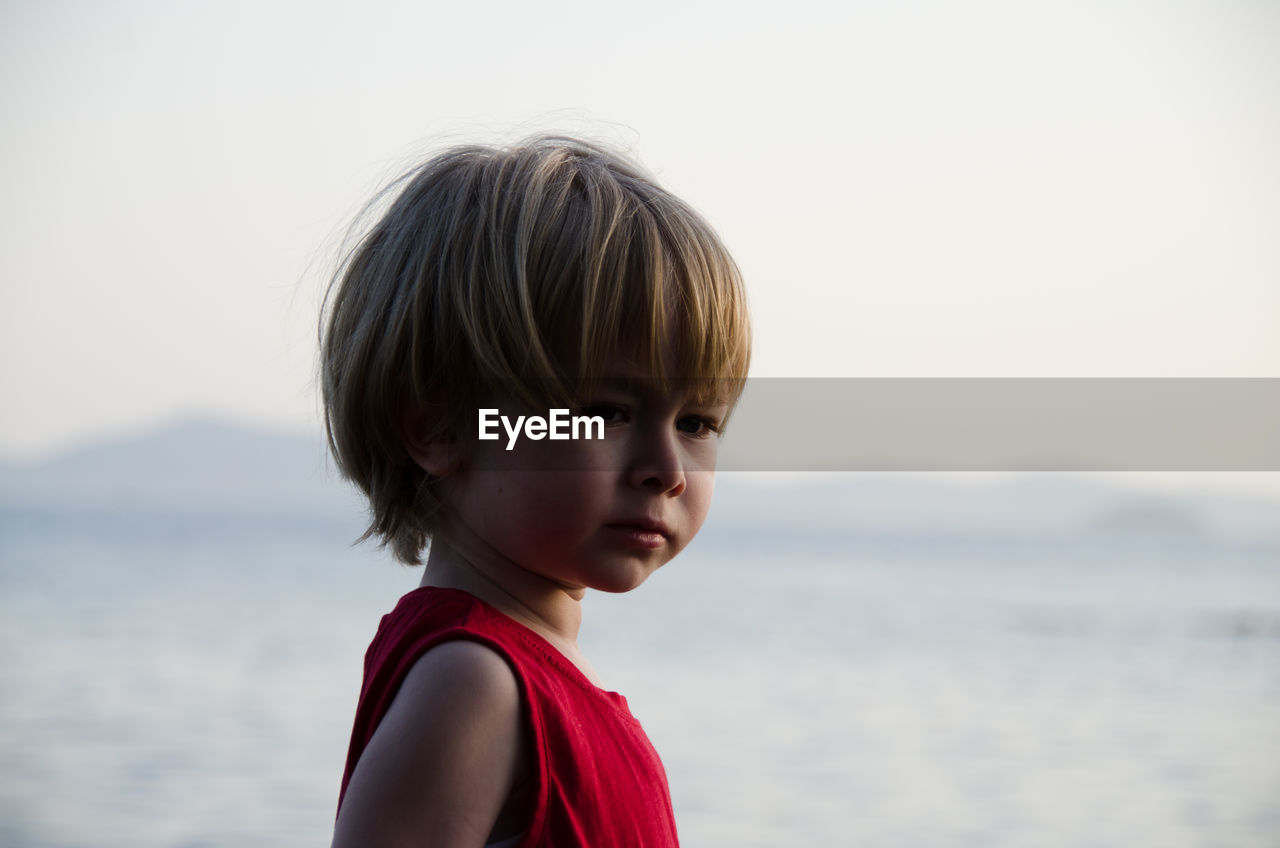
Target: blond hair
x,y
522,267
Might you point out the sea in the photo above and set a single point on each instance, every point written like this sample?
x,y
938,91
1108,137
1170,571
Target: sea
x,y
188,678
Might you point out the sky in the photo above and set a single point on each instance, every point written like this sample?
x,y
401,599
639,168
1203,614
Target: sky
x,y
912,189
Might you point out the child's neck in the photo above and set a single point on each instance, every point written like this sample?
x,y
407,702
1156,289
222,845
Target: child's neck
x,y
461,560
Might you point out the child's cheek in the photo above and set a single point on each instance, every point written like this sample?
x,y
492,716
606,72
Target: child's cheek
x,y
555,501
701,488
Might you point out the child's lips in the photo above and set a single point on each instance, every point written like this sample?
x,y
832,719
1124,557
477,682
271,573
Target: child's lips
x,y
637,537
645,534
643,525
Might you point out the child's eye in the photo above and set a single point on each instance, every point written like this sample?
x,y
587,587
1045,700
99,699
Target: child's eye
x,y
698,426
610,413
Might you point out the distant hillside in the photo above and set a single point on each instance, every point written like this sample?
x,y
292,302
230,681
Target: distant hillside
x,y
209,465
196,464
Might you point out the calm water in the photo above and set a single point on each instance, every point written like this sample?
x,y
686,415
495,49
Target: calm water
x,y
191,682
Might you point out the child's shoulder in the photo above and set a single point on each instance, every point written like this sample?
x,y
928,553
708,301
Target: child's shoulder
x,y
447,750
459,680
430,619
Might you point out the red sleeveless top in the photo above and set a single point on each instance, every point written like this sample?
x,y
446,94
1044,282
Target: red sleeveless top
x,y
599,782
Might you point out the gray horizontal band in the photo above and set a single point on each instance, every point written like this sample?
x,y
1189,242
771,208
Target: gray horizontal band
x,y
1013,424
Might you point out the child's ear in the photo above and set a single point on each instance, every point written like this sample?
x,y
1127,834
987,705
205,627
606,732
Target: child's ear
x,y
437,456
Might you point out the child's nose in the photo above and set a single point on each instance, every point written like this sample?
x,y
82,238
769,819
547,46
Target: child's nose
x,y
656,464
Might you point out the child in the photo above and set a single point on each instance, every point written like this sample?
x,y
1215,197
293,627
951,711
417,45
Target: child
x,y
521,283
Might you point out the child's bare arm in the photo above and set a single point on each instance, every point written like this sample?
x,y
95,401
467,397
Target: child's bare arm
x,y
443,759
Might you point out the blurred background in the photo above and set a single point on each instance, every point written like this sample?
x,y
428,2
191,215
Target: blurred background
x,y
912,190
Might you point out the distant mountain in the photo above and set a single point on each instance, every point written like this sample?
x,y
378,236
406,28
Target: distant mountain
x,y
194,464
209,465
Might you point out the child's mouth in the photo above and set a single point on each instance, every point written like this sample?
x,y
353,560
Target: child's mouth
x,y
640,535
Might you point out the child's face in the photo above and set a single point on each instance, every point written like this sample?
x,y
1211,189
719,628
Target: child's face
x,y
621,507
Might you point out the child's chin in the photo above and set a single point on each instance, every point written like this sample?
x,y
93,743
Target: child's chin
x,y
622,581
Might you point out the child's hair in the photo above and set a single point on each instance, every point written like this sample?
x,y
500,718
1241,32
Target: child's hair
x,y
521,267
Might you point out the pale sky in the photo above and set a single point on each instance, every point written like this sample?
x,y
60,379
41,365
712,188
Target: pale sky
x,y
912,189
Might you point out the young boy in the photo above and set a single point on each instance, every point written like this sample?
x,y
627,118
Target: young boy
x,y
507,296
